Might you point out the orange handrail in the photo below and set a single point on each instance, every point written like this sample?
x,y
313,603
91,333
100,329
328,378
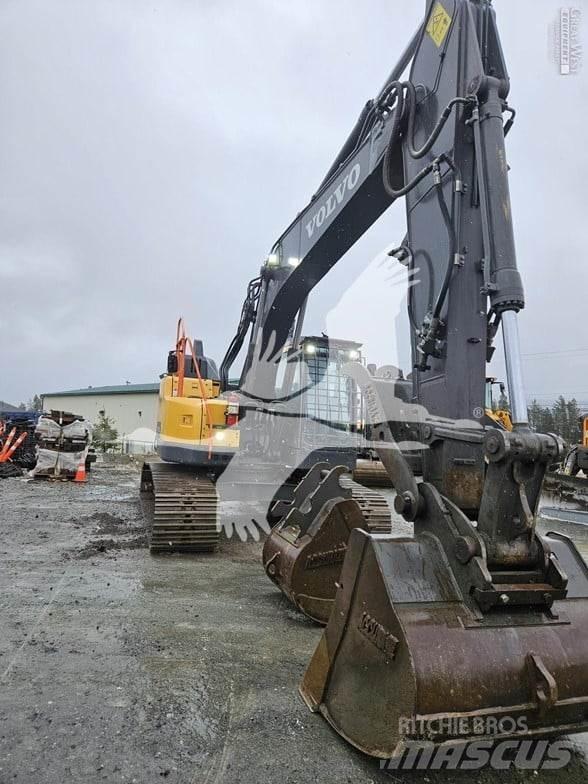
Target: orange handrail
x,y
203,395
180,355
181,342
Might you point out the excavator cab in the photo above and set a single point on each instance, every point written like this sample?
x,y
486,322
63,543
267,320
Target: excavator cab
x,y
195,422
576,459
226,460
318,409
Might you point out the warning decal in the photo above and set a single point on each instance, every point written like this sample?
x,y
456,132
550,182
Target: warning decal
x,y
438,24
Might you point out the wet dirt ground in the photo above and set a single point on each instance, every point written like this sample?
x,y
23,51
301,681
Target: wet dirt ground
x,y
122,667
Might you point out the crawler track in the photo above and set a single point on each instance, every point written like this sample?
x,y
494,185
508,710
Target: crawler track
x,y
373,506
185,506
371,473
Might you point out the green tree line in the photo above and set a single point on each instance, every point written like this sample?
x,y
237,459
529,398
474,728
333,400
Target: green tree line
x,y
564,418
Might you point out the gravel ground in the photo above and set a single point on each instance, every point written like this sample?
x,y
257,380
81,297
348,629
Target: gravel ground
x,y
118,666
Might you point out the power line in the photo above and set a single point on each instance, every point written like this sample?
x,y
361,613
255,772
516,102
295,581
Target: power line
x,y
559,392
558,353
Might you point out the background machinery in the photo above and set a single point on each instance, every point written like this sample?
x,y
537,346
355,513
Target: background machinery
x,y
497,404
565,491
475,615
576,459
210,435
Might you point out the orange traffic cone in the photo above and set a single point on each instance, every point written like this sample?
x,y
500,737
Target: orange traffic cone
x,y
81,472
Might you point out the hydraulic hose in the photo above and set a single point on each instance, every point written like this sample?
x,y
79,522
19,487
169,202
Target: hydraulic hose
x,y
247,317
397,91
407,104
445,114
452,251
389,188
352,143
369,114
410,265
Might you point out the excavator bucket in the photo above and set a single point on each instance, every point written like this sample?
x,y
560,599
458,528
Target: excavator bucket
x,y
304,551
404,658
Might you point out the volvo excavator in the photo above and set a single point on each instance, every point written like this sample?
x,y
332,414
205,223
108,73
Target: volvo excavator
x,y
475,617
474,626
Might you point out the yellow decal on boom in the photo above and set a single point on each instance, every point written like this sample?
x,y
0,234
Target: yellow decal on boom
x,y
438,25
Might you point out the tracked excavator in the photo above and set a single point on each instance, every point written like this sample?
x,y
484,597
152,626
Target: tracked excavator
x,y
473,627
210,435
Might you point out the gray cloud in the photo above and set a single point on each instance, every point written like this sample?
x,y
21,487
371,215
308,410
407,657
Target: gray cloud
x,y
152,152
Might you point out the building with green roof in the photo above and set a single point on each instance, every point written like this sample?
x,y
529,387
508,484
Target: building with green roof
x,y
132,407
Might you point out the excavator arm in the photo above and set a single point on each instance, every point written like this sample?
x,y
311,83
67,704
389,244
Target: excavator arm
x,y
428,140
349,200
438,141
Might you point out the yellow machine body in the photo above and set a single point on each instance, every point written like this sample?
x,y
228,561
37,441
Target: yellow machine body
x,y
193,423
493,411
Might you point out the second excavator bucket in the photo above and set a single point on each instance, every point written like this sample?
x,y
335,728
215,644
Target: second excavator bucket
x,y
405,659
304,551
306,567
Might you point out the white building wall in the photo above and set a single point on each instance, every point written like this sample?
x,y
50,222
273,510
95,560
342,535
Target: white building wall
x,y
129,411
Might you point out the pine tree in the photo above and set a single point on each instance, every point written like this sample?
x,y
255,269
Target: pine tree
x,y
534,414
574,429
104,434
563,418
560,416
35,404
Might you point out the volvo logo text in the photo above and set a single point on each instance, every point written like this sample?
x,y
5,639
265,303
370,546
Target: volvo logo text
x,y
348,183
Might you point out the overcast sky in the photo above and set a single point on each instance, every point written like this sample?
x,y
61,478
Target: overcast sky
x,y
151,153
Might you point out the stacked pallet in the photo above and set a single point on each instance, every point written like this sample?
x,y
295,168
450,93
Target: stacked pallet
x,y
63,441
